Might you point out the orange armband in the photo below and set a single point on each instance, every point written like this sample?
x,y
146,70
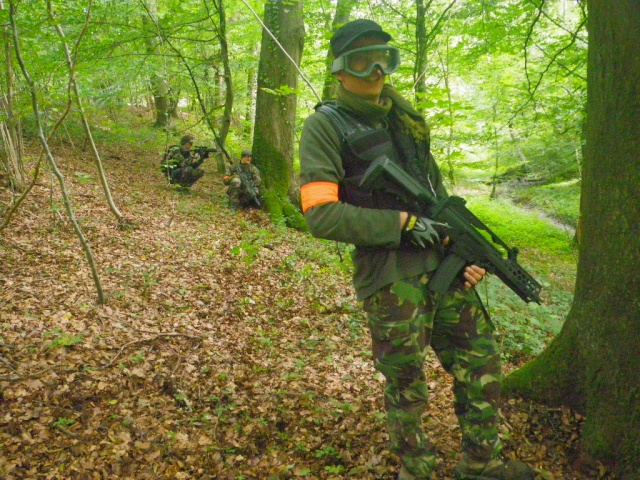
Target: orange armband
x,y
317,193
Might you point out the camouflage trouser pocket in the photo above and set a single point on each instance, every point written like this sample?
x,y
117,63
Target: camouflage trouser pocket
x,y
388,331
397,339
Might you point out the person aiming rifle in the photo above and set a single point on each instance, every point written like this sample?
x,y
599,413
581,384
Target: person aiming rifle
x,y
402,236
181,164
244,183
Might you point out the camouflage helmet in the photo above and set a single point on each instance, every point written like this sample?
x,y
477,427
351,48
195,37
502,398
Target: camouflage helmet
x,y
246,153
186,139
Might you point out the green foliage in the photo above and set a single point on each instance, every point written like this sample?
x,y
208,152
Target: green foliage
x,y
138,357
335,469
63,422
521,330
327,451
248,249
504,85
83,178
524,330
61,339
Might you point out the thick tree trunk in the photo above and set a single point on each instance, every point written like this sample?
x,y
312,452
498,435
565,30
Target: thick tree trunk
x,y
273,144
225,121
593,364
419,76
250,110
159,84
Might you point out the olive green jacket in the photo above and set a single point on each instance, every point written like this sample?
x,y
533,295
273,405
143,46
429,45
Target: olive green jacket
x,y
379,257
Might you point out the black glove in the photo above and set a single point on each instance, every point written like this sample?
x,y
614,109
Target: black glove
x,y
423,232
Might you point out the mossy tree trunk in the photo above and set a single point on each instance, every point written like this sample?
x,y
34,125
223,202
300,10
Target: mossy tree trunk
x,y
592,365
274,137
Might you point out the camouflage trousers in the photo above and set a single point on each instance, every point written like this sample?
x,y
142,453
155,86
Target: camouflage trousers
x,y
186,176
238,194
405,318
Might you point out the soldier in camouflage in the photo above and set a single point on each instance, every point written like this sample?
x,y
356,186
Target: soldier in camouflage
x,y
397,249
244,183
181,166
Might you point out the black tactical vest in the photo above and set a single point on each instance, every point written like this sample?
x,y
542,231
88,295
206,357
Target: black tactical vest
x,y
361,145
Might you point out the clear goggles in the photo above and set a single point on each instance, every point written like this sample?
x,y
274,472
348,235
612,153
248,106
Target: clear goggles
x,y
362,61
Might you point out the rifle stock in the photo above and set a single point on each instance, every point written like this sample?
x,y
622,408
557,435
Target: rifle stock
x,y
467,245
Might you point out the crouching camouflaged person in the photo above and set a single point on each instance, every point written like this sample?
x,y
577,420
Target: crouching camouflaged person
x,y
244,183
397,250
181,166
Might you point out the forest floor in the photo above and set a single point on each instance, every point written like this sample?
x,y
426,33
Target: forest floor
x,y
227,348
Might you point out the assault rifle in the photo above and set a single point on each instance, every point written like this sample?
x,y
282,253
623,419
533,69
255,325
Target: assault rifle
x,y
204,151
467,246
249,186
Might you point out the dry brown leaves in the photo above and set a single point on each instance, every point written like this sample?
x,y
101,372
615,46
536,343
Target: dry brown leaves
x,y
227,348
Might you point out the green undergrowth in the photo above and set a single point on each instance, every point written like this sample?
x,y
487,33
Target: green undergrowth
x,y
521,227
560,201
547,253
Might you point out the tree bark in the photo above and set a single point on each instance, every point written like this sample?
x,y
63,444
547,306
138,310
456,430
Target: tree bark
x,y
592,365
11,140
225,121
343,12
273,144
419,76
159,84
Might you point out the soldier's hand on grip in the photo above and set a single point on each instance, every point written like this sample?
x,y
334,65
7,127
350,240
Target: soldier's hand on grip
x,y
423,232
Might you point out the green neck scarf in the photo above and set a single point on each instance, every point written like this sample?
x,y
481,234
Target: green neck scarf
x,y
412,122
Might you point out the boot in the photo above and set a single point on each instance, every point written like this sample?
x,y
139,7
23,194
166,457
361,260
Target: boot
x,y
422,466
404,475
495,469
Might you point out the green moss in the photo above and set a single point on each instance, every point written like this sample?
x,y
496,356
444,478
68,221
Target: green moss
x,y
552,377
294,218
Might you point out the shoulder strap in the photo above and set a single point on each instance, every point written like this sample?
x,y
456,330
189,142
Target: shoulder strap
x,y
344,123
365,142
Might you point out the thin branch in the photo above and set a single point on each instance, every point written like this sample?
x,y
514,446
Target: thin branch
x,y
8,364
553,60
526,43
50,158
73,84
